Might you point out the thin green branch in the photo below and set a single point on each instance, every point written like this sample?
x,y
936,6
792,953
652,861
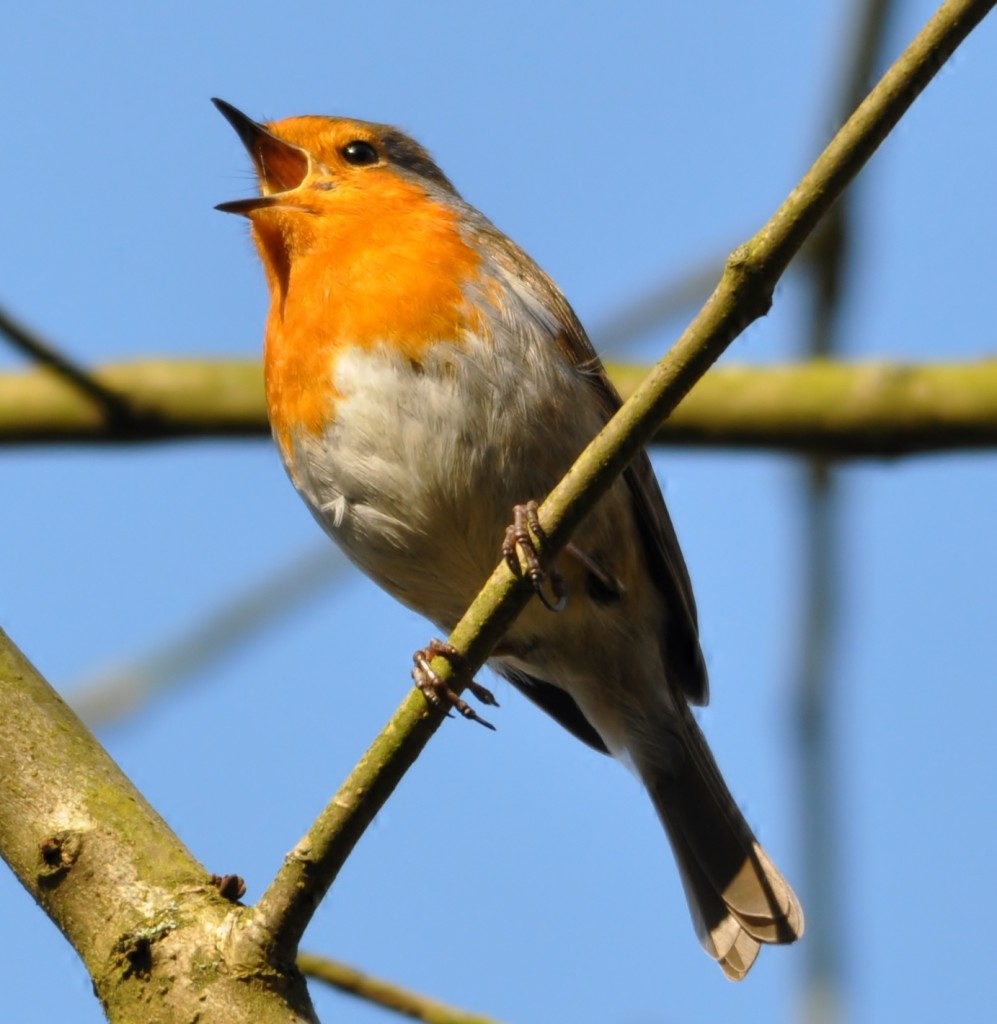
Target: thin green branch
x,y
836,410
385,994
657,306
743,294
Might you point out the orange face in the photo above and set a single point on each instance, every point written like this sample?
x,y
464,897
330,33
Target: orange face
x,y
361,246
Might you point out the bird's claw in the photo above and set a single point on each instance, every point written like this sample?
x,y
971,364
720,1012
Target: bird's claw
x,y
520,553
436,691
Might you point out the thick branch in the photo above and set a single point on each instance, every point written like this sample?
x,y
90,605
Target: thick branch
x,y
138,908
836,410
744,294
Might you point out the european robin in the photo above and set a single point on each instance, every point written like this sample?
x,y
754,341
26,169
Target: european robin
x,y
425,380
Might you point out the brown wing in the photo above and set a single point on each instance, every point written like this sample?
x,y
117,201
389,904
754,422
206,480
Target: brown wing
x,y
682,655
557,703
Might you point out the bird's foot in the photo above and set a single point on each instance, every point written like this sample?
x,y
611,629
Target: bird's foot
x,y
436,691
520,553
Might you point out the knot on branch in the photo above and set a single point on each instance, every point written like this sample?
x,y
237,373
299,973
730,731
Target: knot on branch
x,y
749,283
58,853
133,952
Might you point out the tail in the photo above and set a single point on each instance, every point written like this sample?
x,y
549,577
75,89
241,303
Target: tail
x,y
737,897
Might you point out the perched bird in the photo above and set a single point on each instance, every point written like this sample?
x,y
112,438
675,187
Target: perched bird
x,y
425,381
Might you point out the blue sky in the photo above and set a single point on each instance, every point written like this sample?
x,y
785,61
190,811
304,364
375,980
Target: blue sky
x,y
515,873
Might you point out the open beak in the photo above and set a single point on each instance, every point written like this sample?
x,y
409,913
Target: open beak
x,y
280,165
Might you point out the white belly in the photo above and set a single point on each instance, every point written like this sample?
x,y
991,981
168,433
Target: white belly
x,y
417,476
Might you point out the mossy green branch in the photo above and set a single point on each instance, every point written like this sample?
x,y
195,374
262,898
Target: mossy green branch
x,y
835,410
168,398
744,294
154,933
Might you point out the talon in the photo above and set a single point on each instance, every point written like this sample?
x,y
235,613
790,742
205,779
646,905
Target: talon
x,y
532,511
558,589
518,547
611,583
520,553
437,693
483,694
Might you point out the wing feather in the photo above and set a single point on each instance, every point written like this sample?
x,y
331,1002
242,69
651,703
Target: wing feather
x,y
680,646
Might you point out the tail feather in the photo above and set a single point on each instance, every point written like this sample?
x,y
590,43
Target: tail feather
x,y
740,957
736,895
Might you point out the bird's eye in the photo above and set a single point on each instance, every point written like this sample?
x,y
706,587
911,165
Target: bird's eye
x,y
359,153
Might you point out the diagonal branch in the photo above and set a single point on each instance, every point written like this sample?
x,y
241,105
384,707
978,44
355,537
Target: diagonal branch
x,y
743,294
141,912
659,304
385,994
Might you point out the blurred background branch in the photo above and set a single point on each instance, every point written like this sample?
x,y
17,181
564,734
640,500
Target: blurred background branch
x,y
658,305
188,398
125,689
114,409
385,994
827,262
839,410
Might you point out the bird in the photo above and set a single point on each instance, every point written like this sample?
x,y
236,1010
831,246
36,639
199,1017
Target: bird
x,y
426,383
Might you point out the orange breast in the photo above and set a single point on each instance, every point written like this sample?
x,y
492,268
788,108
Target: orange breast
x,y
385,265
